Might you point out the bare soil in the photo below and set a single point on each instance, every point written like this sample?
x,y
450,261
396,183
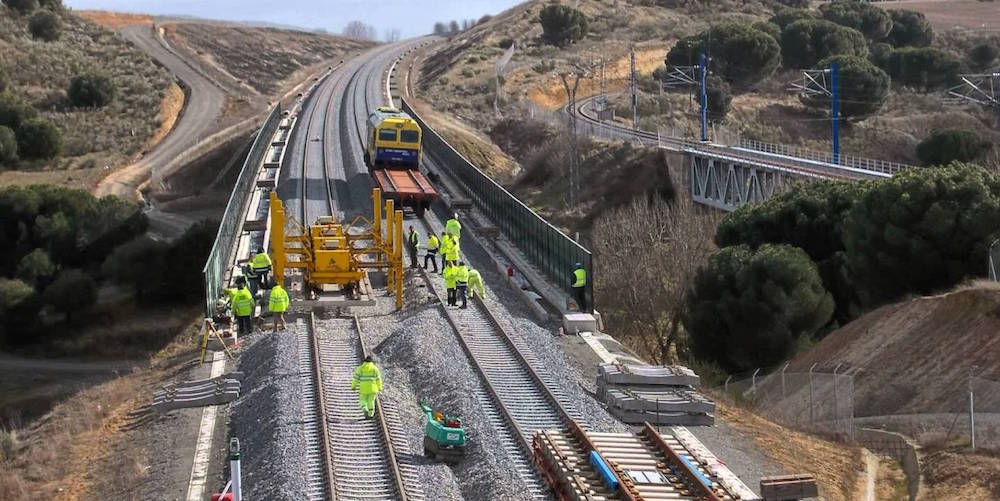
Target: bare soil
x,y
959,475
900,351
838,468
947,14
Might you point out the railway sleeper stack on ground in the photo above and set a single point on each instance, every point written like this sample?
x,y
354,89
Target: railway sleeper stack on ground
x,y
659,395
581,465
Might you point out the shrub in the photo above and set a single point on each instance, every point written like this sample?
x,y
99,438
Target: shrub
x,y
4,80
795,3
945,146
922,231
72,292
189,254
44,25
505,43
770,28
18,310
22,6
35,267
138,264
14,111
909,28
8,145
809,216
804,43
91,90
922,67
982,56
879,54
739,53
871,21
786,16
748,308
718,97
867,92
562,25
39,138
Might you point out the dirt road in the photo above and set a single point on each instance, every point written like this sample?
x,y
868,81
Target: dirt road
x,y
204,106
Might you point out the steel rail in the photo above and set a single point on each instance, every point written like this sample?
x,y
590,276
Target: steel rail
x,y
331,479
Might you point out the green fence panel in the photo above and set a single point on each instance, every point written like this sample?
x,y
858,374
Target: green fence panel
x,y
549,249
231,225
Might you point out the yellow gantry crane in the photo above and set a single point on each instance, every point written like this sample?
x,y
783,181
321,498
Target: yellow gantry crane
x,y
331,253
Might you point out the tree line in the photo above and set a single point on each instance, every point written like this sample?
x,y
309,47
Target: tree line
x,y
61,244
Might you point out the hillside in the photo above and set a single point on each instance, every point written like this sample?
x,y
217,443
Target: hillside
x,y
916,355
93,140
460,77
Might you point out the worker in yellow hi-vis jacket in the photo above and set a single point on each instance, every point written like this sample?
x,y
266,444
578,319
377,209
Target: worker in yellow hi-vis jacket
x,y
368,379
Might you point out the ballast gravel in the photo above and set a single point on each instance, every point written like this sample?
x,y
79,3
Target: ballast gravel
x,y
267,418
420,358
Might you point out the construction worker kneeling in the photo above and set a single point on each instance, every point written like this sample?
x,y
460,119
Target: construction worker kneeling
x,y
476,284
462,282
368,380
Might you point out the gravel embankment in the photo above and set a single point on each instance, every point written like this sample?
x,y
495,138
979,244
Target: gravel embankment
x,y
267,417
421,358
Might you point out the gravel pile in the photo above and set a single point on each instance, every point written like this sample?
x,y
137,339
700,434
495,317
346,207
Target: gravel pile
x,y
421,358
268,415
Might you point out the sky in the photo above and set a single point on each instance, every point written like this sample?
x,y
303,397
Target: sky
x,y
411,17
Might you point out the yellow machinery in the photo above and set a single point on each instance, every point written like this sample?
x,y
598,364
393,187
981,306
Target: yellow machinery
x,y
332,254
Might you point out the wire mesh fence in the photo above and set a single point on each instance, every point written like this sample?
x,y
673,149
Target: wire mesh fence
x,y
956,410
549,249
231,225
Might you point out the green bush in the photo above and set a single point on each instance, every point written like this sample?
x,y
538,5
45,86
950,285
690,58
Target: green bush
x,y
718,97
562,25
51,4
39,138
14,111
804,43
72,292
19,307
44,25
809,216
867,92
22,6
4,80
982,56
920,232
749,308
36,267
923,68
795,3
787,15
909,29
738,53
8,145
768,27
879,54
141,264
91,90
945,146
871,21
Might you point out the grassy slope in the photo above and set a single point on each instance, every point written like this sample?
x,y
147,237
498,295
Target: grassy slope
x,y
41,72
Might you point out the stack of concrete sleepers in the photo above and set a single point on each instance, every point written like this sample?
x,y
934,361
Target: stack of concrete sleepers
x,y
657,395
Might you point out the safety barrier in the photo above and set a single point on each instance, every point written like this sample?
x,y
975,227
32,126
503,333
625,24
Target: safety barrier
x,y
231,225
550,250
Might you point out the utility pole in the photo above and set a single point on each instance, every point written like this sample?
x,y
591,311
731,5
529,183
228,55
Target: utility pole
x,y
972,410
982,89
816,83
633,82
604,91
574,159
702,73
835,111
690,76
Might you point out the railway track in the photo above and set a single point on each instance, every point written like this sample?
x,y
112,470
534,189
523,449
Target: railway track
x,y
350,456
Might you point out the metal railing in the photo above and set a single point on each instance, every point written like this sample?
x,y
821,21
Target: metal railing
x,y
231,225
868,164
549,249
